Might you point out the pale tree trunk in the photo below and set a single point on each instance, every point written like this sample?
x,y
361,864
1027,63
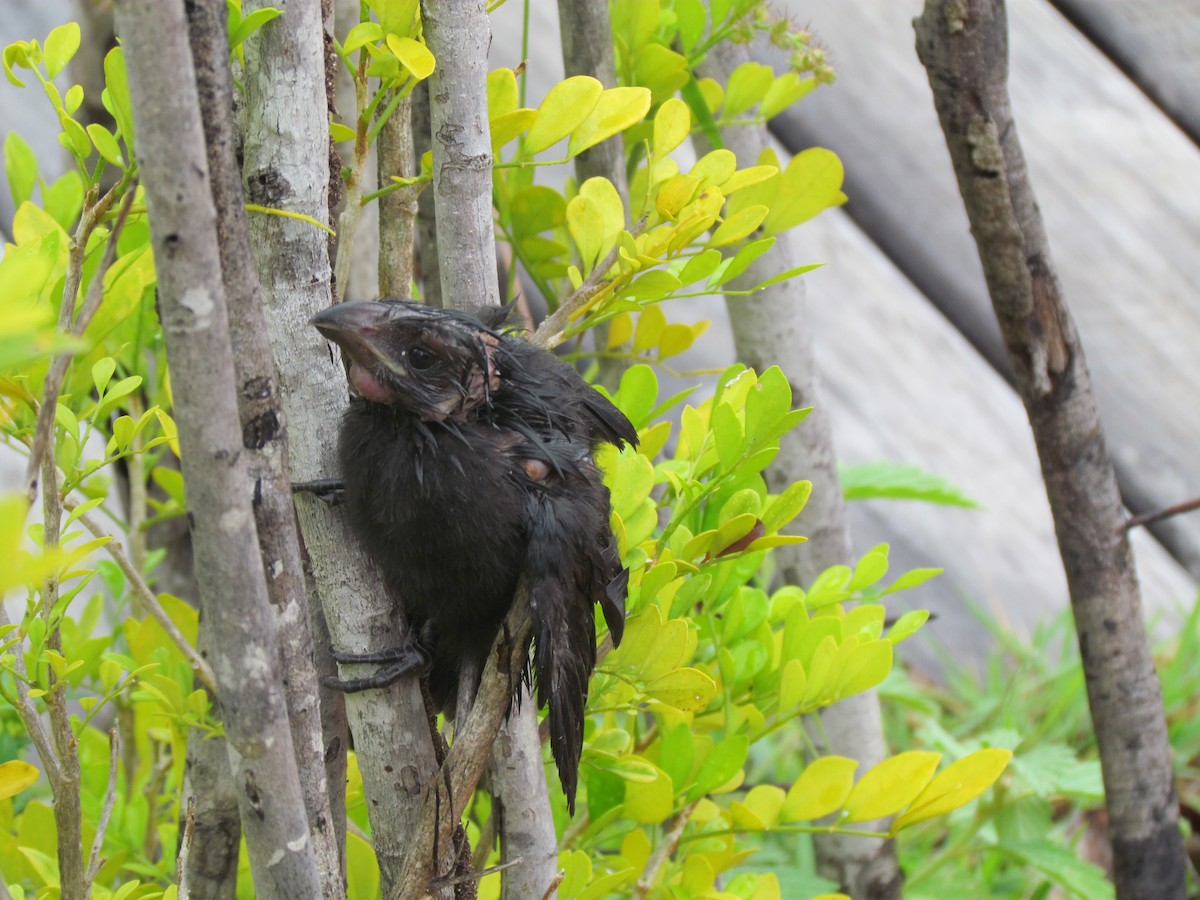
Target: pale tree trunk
x,y
458,34
264,438
964,47
770,328
228,566
286,132
521,808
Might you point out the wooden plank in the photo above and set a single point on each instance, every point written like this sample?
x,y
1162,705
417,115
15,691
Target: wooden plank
x,y
1119,186
903,385
1156,42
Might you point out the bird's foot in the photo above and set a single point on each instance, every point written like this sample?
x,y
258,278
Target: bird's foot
x,y
397,662
327,489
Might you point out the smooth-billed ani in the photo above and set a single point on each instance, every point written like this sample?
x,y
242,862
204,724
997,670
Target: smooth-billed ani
x,y
467,465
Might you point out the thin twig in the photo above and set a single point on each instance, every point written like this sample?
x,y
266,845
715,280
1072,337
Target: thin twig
x,y
475,876
550,334
110,797
148,598
185,847
44,428
29,714
663,852
559,878
1158,515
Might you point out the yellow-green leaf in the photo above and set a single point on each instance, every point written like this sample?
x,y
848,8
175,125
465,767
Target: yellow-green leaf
x,y
821,788
786,506
763,802
812,182
585,221
566,106
105,144
510,125
685,689
649,802
783,92
866,668
678,337
714,168
340,133
747,85
413,55
672,123
792,685
890,786
617,109
674,194
15,776
741,224
60,46
712,92
958,784
650,325
747,177
502,92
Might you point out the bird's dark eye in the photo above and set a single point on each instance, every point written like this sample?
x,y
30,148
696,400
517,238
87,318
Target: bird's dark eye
x,y
421,358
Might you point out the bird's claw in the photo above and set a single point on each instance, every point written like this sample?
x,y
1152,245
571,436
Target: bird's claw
x,y
400,661
326,489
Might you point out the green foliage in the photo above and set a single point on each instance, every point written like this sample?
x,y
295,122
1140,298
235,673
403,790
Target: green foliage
x,y
894,481
1025,840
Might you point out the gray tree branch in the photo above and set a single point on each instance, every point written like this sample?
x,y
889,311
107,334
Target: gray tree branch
x,y
170,153
963,45
287,128
264,437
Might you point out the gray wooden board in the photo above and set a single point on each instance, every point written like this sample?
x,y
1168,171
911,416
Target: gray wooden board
x,y
1156,41
903,385
1117,182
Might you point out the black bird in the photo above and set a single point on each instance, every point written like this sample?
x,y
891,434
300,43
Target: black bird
x,y
467,464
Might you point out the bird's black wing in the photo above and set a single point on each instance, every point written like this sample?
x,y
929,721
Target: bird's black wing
x,y
570,564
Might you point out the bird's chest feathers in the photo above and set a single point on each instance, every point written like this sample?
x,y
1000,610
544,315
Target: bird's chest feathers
x,y
430,484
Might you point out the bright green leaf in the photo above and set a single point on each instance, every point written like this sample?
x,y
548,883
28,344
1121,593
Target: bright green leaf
x,y
59,47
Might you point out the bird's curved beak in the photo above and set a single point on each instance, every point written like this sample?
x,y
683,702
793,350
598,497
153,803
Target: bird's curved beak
x,y
357,327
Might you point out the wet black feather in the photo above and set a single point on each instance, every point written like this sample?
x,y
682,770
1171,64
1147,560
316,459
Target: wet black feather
x,y
469,466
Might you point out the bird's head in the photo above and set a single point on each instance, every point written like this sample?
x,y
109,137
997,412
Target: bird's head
x,y
435,364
